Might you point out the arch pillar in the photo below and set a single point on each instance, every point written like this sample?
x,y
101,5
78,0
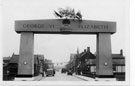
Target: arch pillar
x,y
104,58
26,58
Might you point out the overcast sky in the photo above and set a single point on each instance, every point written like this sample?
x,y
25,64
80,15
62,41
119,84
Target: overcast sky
x,y
58,47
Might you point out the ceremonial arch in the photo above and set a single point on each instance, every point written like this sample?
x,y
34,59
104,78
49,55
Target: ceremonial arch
x,y
102,29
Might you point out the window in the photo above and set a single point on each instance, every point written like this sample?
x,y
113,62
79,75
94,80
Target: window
x,y
120,68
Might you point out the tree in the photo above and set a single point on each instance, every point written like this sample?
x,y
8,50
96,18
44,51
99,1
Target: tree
x,y
68,13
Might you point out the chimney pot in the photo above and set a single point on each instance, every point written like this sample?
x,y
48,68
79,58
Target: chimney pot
x,y
88,48
84,50
121,52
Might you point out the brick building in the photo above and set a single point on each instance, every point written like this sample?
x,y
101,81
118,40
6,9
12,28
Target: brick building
x,y
84,63
10,70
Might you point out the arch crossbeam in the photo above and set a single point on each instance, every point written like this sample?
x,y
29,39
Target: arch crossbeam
x,y
56,26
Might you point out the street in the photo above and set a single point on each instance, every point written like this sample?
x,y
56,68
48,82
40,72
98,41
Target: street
x,y
61,77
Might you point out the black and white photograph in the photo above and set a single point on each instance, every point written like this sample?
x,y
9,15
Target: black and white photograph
x,y
65,42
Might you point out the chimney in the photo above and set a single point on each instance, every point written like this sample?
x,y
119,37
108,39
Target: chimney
x,y
121,52
13,54
84,50
77,51
88,49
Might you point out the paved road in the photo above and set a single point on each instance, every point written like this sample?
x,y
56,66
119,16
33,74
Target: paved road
x,y
61,77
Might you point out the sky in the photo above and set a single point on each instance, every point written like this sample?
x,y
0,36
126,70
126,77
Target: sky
x,y
59,47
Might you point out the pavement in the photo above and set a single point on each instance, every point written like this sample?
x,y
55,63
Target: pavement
x,y
84,78
96,79
38,78
64,77
58,77
61,77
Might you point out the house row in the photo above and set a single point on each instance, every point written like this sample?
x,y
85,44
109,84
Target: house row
x,y
84,63
10,66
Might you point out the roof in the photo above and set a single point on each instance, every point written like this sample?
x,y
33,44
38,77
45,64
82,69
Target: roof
x,y
15,58
41,57
114,61
117,56
88,55
48,61
118,61
6,58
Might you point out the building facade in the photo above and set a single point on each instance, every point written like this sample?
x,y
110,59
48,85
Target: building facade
x,y
84,63
11,68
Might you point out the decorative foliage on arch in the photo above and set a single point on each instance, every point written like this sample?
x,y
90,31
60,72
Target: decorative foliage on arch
x,y
68,13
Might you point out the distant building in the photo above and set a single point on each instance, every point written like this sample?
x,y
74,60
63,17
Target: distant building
x,y
38,64
72,57
10,70
49,63
6,60
86,66
84,63
119,66
12,67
